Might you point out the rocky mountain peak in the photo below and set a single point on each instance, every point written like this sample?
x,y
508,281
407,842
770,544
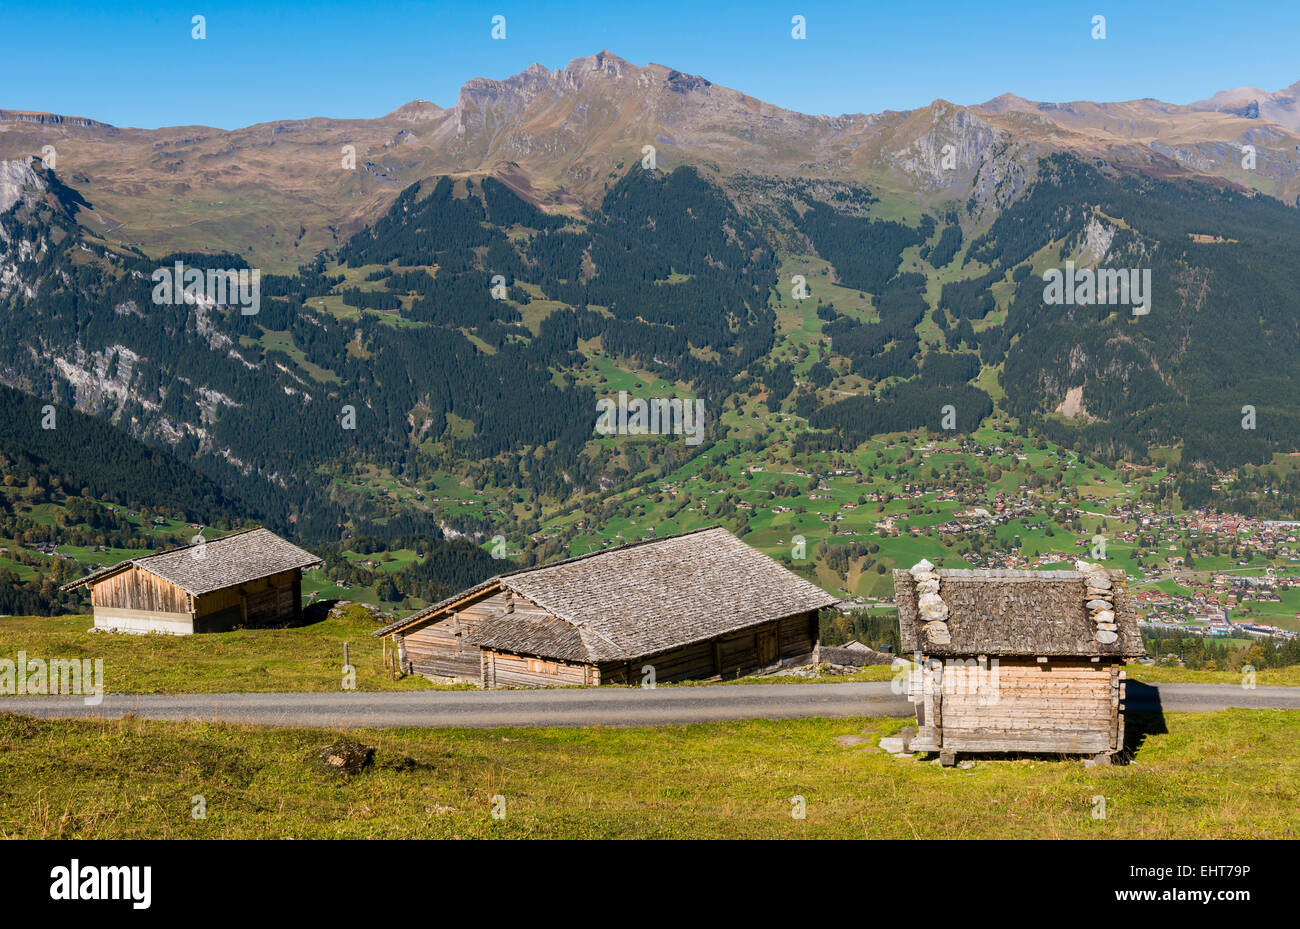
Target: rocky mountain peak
x,y
564,131
603,62
1280,107
417,111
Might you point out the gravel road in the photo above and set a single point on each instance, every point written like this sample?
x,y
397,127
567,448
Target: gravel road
x,y
615,706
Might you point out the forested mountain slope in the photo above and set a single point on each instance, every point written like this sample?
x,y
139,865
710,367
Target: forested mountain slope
x,y
439,371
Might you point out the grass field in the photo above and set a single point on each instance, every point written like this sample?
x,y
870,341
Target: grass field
x,y
306,658
1153,674
1232,774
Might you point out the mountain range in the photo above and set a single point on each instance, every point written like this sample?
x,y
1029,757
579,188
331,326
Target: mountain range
x,y
277,194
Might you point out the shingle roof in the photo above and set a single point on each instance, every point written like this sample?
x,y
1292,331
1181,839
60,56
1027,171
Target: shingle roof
x,y
218,563
641,599
1004,612
531,635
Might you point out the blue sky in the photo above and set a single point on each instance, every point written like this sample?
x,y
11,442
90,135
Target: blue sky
x,y
137,65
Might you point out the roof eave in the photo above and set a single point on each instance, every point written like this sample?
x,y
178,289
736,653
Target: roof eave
x,y
947,651
441,606
95,577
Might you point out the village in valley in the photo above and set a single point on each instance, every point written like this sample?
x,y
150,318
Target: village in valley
x,y
989,500
843,520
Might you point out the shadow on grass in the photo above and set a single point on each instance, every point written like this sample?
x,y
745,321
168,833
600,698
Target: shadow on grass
x,y
1143,716
316,612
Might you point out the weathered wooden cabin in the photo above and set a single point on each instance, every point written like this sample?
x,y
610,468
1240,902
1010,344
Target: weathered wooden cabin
x,y
692,606
246,579
1017,661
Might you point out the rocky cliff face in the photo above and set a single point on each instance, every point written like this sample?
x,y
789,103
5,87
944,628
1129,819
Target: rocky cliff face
x,y
956,144
51,119
966,157
18,181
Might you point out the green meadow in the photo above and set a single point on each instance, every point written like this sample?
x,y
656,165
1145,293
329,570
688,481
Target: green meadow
x,y
1231,774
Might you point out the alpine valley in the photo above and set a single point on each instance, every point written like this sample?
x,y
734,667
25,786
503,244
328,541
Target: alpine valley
x,y
858,302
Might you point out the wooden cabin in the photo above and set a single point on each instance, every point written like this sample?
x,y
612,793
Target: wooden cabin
x,y
1017,661
251,578
694,606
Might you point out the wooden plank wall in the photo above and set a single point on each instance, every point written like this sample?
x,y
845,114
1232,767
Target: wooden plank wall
x,y
1058,706
502,669
728,656
798,634
270,600
438,649
135,589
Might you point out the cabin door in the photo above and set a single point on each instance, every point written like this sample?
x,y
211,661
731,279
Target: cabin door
x,y
768,649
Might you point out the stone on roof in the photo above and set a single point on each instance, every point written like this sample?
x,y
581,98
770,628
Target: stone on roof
x,y
1016,613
